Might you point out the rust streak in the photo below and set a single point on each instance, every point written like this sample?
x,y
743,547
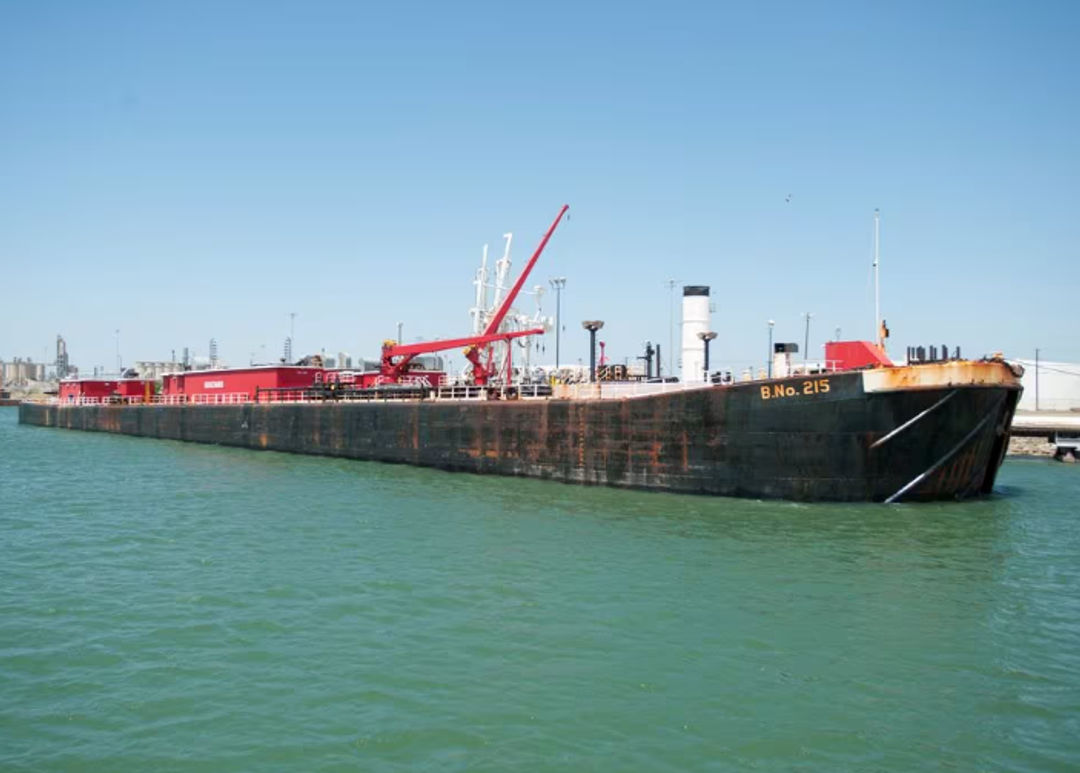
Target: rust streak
x,y
941,375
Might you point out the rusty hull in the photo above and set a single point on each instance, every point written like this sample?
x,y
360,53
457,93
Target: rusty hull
x,y
938,375
797,438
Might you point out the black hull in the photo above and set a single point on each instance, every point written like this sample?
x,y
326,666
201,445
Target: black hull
x,y
816,439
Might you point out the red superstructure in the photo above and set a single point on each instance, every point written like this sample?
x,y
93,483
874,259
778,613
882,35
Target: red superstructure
x,y
237,384
83,389
272,383
849,355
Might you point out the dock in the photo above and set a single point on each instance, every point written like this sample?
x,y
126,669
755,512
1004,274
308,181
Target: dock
x,y
1046,423
1061,429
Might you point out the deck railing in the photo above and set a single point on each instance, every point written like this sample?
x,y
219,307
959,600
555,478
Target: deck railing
x,y
603,390
616,390
225,398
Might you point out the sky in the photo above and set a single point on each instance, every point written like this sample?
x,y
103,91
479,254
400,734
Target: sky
x,y
197,170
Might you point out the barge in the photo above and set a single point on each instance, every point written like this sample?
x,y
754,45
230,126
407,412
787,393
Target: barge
x,y
920,432
857,429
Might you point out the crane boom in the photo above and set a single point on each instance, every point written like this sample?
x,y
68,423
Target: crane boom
x,y
442,344
406,352
500,315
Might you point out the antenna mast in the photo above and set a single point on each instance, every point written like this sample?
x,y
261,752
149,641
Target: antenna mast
x,y
877,287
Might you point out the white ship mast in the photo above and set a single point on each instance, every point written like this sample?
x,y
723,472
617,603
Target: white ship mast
x,y
877,287
491,289
479,307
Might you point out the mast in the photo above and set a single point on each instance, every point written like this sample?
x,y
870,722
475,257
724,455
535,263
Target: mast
x,y
396,356
480,306
877,287
502,268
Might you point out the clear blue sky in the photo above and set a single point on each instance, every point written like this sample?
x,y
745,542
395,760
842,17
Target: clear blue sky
x,y
187,170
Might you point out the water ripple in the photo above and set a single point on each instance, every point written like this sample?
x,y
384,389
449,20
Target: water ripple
x,y
173,607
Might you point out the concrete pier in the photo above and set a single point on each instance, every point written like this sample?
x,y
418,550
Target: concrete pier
x,y
1046,433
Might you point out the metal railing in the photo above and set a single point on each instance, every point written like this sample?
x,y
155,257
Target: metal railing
x,y
322,394
169,400
616,390
232,398
108,400
275,396
501,392
228,398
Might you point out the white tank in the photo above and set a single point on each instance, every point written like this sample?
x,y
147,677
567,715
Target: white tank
x,y
695,319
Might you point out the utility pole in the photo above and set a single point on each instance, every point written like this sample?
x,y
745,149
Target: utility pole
x,y
671,319
806,341
769,357
1036,379
558,283
877,287
292,337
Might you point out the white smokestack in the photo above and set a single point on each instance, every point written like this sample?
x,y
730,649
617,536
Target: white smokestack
x,y
695,319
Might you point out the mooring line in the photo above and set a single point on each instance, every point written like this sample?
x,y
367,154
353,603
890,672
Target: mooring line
x,y
937,465
909,422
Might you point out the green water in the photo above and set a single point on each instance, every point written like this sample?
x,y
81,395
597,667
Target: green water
x,y
173,607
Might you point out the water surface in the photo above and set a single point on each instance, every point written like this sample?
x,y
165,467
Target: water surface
x,y
176,607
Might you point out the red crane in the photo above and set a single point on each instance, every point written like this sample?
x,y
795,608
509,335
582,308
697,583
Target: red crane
x,y
396,357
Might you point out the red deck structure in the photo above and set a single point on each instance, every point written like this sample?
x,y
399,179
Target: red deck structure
x,y
849,355
75,390
237,384
271,383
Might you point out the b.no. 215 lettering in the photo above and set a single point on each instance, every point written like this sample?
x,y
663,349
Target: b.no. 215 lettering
x,y
815,386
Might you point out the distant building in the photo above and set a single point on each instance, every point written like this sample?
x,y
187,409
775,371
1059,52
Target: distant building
x,y
62,364
153,370
1056,387
20,372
